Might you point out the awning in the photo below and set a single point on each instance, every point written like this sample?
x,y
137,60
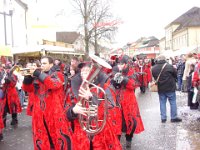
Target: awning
x,y
185,50
65,52
24,50
41,49
5,51
167,53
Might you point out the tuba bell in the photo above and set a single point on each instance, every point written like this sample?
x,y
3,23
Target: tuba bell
x,y
94,123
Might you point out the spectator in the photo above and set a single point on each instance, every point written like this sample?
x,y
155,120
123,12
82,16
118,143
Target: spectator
x,y
21,93
189,60
166,88
180,66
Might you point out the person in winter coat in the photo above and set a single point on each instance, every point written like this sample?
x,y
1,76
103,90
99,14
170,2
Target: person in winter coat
x,y
50,128
189,60
106,139
125,81
166,88
180,66
10,102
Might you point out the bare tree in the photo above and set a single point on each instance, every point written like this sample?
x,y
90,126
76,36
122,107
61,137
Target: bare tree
x,y
97,19
105,26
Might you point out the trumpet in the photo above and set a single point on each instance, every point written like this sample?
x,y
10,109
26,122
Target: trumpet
x,y
28,71
25,69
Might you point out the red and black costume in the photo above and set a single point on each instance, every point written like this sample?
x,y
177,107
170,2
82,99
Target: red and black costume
x,y
147,70
11,98
106,139
49,125
195,84
2,105
31,97
131,119
143,74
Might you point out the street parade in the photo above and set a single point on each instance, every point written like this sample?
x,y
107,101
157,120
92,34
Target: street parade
x,y
72,92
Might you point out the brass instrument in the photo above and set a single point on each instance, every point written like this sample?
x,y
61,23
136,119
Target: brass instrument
x,y
2,81
28,71
14,68
91,123
25,71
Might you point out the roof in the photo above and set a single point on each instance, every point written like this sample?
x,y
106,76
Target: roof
x,y
189,19
153,42
67,37
22,4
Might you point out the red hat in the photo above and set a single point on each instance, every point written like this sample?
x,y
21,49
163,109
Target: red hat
x,y
113,57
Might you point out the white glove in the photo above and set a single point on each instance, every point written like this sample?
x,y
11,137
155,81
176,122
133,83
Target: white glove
x,y
78,109
2,81
91,111
85,92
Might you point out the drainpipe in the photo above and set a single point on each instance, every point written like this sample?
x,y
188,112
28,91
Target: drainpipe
x,y
187,38
11,17
5,32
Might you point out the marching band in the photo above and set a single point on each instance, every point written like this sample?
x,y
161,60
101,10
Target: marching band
x,y
83,105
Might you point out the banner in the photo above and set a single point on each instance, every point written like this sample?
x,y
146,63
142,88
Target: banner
x,y
5,51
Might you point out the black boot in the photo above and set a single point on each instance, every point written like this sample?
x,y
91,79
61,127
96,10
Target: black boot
x,y
1,136
194,106
14,120
128,144
4,122
176,120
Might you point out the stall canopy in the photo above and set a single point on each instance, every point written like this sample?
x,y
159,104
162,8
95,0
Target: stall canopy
x,y
185,50
40,49
5,51
168,53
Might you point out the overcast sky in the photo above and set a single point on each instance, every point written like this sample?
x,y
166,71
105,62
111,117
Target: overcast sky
x,y
141,18
148,17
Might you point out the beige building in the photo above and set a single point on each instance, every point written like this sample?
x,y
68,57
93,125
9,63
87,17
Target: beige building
x,y
183,34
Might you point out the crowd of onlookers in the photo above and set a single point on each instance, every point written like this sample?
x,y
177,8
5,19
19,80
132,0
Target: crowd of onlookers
x,y
188,69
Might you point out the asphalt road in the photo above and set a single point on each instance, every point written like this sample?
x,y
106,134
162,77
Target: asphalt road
x,y
157,135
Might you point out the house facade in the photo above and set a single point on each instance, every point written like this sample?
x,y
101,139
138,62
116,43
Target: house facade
x,y
183,34
147,46
13,18
74,38
13,27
